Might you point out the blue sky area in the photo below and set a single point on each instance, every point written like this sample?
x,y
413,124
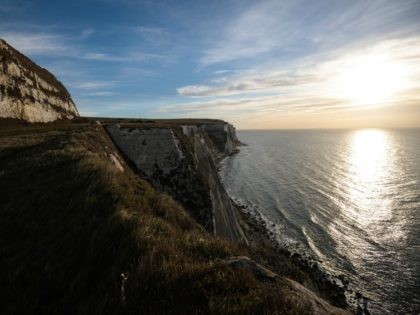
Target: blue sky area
x,y
258,64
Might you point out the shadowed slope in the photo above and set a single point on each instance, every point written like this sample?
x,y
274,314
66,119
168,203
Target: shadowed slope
x,y
78,235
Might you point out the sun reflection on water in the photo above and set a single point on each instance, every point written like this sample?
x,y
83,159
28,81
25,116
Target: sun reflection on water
x,y
370,165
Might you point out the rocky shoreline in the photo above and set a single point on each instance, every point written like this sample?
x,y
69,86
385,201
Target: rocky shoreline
x,y
269,243
271,246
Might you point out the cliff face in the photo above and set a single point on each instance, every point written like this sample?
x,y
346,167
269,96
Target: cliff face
x,y
29,92
181,161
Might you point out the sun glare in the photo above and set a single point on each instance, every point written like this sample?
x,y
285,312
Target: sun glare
x,y
370,165
370,79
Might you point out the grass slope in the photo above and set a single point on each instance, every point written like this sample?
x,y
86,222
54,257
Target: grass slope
x,y
79,236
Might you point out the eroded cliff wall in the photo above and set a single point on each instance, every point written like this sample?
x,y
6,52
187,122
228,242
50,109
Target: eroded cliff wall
x,y
182,162
29,92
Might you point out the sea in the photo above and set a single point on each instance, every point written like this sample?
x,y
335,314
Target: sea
x,y
349,199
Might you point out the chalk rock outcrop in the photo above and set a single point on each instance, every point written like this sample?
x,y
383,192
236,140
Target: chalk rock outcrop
x,y
181,161
308,300
29,92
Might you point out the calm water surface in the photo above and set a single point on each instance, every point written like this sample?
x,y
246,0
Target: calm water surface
x,y
350,198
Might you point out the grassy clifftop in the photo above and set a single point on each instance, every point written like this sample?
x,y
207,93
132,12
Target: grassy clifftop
x,y
79,235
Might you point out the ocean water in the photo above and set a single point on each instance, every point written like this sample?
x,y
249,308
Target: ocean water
x,y
350,198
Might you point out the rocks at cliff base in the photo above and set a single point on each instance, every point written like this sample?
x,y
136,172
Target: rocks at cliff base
x,y
29,92
314,304
298,293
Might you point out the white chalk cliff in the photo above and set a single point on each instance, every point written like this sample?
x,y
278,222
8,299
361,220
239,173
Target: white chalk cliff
x,y
29,92
182,161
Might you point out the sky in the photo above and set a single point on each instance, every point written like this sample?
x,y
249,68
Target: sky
x,y
257,64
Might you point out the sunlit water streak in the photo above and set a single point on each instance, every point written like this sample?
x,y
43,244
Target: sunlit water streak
x,y
352,198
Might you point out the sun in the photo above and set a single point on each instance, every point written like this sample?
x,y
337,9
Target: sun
x,y
373,79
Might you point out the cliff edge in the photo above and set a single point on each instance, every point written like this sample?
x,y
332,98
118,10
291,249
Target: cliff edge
x,y
29,92
182,161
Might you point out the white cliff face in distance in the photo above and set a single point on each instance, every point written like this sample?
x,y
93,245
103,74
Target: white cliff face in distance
x,y
29,92
182,161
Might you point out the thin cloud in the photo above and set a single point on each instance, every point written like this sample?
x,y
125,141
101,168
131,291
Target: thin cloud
x,y
60,45
39,43
102,57
101,93
86,33
307,87
254,31
155,36
260,82
93,85
291,28
257,104
136,56
222,71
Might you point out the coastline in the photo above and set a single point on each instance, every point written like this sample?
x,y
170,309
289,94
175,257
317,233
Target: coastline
x,y
266,249
268,245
